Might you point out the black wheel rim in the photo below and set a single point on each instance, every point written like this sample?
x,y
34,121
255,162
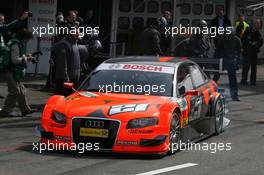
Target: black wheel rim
x,y
175,130
219,114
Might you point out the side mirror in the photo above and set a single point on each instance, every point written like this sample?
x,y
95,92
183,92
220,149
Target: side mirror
x,y
68,85
192,93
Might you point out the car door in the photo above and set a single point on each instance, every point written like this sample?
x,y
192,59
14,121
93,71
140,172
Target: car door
x,y
184,84
199,82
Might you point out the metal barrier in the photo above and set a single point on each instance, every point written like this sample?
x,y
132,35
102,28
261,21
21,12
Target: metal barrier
x,y
209,64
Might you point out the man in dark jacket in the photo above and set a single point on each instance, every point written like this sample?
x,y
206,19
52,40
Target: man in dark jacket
x,y
150,40
229,48
252,42
200,43
221,20
66,62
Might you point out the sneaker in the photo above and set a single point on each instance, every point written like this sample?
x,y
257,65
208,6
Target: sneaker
x,y
31,111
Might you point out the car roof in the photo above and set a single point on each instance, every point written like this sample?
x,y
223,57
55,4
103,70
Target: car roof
x,y
153,60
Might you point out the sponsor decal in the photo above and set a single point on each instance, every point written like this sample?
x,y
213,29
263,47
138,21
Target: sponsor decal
x,y
72,98
92,132
128,108
140,131
42,11
126,143
45,20
137,67
184,122
88,94
183,104
62,138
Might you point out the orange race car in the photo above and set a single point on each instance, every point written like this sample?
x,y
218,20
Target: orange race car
x,y
136,105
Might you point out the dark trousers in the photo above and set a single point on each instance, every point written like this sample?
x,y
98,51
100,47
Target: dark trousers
x,y
230,66
250,62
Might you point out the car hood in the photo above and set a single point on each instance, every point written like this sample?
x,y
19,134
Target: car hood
x,y
96,104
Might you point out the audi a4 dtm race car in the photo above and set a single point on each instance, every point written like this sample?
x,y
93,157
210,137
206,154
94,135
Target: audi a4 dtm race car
x,y
137,105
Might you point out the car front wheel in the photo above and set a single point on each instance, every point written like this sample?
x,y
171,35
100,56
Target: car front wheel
x,y
219,115
174,134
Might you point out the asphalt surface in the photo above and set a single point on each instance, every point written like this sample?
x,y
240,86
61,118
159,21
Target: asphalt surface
x,y
245,134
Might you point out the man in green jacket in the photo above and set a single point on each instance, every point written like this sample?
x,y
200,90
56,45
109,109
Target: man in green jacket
x,y
14,73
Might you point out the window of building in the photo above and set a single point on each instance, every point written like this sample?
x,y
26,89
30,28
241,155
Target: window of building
x,y
150,21
250,12
165,6
153,6
185,9
208,21
197,9
123,22
195,22
185,22
139,6
124,5
138,23
259,12
208,9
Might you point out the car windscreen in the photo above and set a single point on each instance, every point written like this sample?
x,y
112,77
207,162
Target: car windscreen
x,y
129,82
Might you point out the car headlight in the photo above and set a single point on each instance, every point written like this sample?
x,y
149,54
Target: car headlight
x,y
58,117
142,122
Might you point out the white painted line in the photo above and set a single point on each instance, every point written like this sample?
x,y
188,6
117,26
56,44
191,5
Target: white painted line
x,y
172,168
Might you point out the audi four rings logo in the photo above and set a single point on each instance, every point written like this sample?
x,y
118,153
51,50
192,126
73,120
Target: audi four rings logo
x,y
94,124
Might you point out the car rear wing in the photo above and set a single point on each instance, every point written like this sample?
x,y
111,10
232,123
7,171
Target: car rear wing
x,y
209,64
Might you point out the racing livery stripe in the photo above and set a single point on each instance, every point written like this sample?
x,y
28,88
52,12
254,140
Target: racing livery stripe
x,y
212,89
206,95
214,83
98,113
165,59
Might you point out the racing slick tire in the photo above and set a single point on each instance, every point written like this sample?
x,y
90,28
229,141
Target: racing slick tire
x,y
218,113
174,134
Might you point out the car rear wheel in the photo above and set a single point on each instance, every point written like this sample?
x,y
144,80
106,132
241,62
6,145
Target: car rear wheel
x,y
174,134
219,115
